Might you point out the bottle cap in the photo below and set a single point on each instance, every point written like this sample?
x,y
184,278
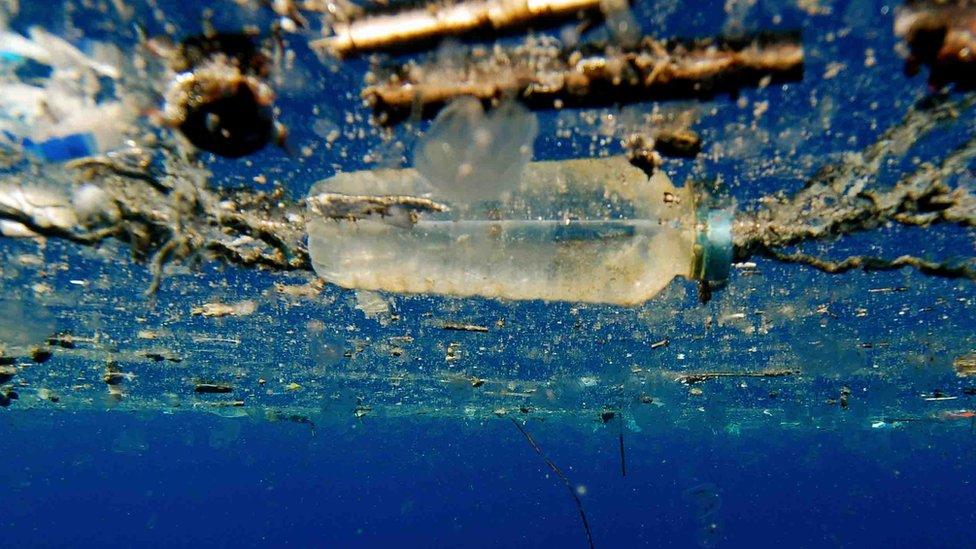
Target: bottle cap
x,y
715,243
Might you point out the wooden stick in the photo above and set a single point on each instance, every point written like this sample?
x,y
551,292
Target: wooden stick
x,y
545,74
387,30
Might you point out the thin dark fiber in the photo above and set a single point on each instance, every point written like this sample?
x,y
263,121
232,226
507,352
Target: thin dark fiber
x,y
555,469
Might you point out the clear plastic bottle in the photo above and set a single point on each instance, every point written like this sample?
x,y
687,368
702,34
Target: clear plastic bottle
x,y
588,230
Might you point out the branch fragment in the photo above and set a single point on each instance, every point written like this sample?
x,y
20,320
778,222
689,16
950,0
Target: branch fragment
x,y
965,270
837,201
382,31
543,74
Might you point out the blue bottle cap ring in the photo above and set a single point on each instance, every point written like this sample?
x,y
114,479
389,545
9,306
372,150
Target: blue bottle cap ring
x,y
715,245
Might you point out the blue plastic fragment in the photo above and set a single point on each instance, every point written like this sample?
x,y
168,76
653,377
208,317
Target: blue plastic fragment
x,y
11,57
58,149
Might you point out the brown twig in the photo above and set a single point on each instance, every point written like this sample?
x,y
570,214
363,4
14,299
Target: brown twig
x,y
544,74
381,31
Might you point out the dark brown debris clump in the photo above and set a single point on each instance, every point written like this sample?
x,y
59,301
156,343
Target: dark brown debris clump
x,y
7,394
212,388
940,34
7,373
219,97
645,149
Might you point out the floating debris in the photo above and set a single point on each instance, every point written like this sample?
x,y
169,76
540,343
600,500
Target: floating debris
x,y
7,373
308,291
965,365
845,395
888,290
226,404
275,416
214,339
939,398
7,394
698,377
559,474
40,355
644,149
66,340
48,395
217,310
940,34
361,411
212,388
28,211
957,414
661,343
372,304
114,376
342,206
381,31
219,97
470,155
161,355
453,351
528,248
460,327
541,74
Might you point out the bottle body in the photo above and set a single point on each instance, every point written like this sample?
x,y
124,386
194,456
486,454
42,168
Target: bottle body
x,y
590,230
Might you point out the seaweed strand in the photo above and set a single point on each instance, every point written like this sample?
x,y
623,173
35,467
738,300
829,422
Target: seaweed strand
x,y
555,469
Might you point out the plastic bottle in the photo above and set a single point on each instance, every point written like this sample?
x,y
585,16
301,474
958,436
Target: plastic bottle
x,y
587,230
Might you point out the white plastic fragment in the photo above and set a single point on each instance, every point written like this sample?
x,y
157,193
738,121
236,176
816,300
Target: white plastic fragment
x,y
46,206
471,155
93,205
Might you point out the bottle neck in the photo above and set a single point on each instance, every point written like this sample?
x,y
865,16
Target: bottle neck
x,y
713,245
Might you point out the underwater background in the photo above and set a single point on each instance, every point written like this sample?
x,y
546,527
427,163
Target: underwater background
x,y
366,429
88,479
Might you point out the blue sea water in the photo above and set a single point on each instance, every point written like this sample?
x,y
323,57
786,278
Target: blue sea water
x,y
759,465
121,480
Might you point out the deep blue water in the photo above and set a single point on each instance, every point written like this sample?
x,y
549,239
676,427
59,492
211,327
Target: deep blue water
x,y
119,480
